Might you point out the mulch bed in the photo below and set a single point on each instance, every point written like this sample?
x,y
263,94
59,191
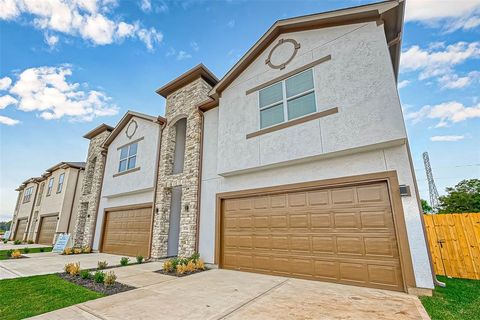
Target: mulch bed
x,y
179,275
98,287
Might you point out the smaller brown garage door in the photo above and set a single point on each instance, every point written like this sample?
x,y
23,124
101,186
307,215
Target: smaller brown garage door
x,y
20,232
48,226
127,232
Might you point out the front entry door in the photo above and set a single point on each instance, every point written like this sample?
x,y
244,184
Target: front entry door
x,y
174,225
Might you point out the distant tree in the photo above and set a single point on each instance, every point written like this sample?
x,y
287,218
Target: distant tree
x,y
426,207
5,225
464,197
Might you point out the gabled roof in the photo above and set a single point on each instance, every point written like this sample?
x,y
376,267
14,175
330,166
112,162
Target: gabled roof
x,y
66,164
26,182
124,121
189,76
390,12
94,132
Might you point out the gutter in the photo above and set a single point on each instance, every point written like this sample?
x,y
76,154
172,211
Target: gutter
x,y
73,200
163,124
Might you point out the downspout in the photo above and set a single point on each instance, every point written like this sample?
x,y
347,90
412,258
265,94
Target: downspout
x,y
199,187
425,236
103,153
73,200
31,211
163,124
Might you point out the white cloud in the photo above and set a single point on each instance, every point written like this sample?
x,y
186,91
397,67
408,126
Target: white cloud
x,y
92,20
403,84
446,113
8,121
231,23
5,83
195,46
182,55
447,138
439,61
146,5
450,16
46,90
51,40
453,81
7,100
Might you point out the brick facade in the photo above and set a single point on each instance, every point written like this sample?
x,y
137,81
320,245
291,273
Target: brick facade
x,y
180,104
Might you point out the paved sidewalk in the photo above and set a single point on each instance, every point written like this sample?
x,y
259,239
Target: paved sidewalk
x,y
225,294
12,246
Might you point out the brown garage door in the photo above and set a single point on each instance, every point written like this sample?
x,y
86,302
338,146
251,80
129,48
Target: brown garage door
x,y
343,235
127,232
48,227
20,231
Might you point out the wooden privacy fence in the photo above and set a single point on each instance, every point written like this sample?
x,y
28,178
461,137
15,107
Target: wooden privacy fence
x,y
454,241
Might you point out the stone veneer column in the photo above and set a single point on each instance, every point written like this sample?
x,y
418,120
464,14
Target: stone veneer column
x,y
90,193
180,104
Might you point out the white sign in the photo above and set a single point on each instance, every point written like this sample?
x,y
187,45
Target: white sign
x,y
6,235
62,242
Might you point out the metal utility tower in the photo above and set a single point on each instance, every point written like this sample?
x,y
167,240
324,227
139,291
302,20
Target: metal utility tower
x,y
432,189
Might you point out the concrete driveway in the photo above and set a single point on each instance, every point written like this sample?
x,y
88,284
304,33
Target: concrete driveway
x,y
224,294
48,262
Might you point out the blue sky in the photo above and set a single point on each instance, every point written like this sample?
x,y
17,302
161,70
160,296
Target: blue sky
x,y
67,66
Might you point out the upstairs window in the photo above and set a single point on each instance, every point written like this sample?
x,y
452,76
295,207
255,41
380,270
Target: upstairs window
x,y
40,193
128,157
288,99
50,186
27,194
60,182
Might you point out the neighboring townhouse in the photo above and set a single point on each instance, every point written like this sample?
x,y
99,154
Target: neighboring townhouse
x,y
48,205
123,221
27,193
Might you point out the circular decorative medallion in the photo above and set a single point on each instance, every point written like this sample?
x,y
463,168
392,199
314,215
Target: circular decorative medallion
x,y
131,129
282,53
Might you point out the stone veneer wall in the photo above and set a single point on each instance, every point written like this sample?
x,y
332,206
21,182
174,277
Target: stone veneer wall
x,y
90,193
180,104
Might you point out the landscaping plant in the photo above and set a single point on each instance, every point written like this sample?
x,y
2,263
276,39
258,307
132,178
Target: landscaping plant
x,y
26,250
30,242
99,277
17,242
139,259
9,253
77,250
16,254
72,268
67,251
102,265
42,249
184,265
85,274
124,261
110,278
87,250
5,241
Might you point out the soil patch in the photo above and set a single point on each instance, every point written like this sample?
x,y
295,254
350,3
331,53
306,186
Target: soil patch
x,y
180,275
115,288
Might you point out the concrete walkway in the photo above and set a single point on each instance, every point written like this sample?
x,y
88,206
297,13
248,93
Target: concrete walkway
x,y
224,294
48,262
10,245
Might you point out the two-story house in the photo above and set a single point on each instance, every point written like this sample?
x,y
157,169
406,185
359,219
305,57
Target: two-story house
x,y
21,220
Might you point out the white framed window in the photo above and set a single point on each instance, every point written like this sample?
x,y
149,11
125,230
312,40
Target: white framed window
x,y
50,186
288,99
128,157
60,182
27,194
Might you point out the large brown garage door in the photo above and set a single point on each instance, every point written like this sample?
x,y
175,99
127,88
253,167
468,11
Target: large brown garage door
x,y
127,232
48,226
343,235
20,231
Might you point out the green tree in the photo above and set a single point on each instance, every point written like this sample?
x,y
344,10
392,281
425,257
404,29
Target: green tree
x,y
425,206
464,197
5,225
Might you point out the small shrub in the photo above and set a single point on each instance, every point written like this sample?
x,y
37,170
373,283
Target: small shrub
x,y
26,250
9,253
102,265
17,242
67,251
87,250
194,257
167,266
72,268
124,261
5,241
139,259
30,242
42,249
190,267
200,265
85,274
77,250
16,254
181,268
110,278
99,277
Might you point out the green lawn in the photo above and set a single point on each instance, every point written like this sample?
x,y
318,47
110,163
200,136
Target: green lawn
x,y
459,300
3,253
26,297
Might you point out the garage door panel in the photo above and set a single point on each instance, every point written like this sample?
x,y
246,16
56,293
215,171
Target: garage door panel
x,y
342,235
127,232
20,232
48,227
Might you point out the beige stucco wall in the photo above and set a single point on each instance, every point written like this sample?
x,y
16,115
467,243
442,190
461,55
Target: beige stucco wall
x,y
24,210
